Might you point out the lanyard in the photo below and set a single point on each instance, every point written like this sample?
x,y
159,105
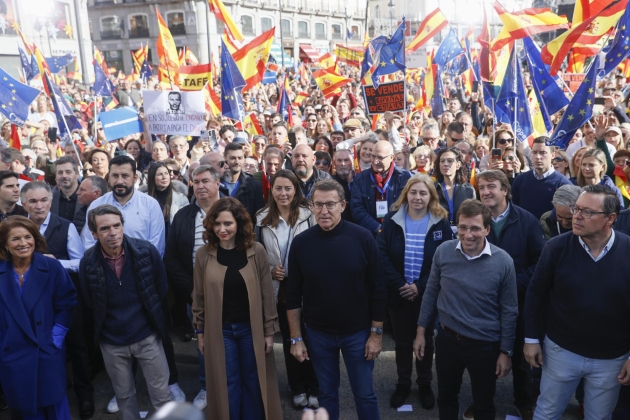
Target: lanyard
x,y
451,210
235,190
383,190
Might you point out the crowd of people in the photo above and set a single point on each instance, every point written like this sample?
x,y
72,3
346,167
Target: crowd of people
x,y
477,251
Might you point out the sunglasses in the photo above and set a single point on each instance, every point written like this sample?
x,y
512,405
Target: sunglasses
x,y
558,160
322,162
222,164
86,171
174,172
311,120
347,130
503,141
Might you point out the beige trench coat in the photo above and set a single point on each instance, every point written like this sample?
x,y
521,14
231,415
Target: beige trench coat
x,y
207,309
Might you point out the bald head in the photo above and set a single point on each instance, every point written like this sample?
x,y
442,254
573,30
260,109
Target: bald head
x,y
303,148
383,148
382,156
216,160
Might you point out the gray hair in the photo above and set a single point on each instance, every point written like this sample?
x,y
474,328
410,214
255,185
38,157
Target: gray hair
x,y
29,186
566,195
611,201
206,168
102,210
328,185
168,149
345,150
429,127
67,159
98,183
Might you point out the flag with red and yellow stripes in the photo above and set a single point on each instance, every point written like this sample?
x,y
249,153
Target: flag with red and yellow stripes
x,y
218,8
252,126
167,51
432,24
213,102
329,83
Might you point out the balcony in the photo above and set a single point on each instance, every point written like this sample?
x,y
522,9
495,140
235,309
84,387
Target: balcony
x,y
269,4
304,34
112,34
320,35
179,29
287,33
337,35
141,33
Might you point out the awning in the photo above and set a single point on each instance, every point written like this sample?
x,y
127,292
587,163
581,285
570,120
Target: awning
x,y
309,53
277,53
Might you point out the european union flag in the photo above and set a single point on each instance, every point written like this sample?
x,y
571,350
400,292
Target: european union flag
x,y
284,104
63,112
350,34
26,64
458,65
512,106
580,109
56,63
145,70
390,57
448,50
368,60
102,85
620,48
550,96
437,101
15,98
232,83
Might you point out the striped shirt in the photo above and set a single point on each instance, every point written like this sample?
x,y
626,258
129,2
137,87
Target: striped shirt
x,y
415,234
199,230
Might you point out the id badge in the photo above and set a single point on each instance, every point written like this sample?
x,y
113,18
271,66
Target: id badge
x,y
381,209
454,229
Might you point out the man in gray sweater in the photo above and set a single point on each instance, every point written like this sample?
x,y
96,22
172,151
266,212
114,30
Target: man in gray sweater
x,y
473,287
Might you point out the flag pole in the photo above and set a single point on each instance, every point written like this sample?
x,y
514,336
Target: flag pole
x,y
95,117
494,126
404,45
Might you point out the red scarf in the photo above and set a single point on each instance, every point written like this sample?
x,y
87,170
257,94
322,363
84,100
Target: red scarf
x,y
265,186
381,182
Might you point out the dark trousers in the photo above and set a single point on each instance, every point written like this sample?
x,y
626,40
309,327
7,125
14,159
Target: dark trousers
x,y
521,370
404,318
301,376
452,356
622,410
77,349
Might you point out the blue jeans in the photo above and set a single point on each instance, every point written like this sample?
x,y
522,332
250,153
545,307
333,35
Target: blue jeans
x,y
561,373
324,353
244,395
202,361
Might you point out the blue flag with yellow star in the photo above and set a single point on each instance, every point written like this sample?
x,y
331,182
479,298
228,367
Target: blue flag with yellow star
x,y
102,85
232,83
437,101
15,98
550,96
620,48
390,57
58,62
448,50
284,103
512,105
65,117
145,70
579,111
26,64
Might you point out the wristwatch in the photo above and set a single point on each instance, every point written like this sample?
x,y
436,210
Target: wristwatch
x,y
377,330
295,340
508,353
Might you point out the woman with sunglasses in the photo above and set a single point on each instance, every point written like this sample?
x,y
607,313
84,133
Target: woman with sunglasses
x,y
512,163
504,138
171,195
323,162
311,126
592,171
561,163
450,181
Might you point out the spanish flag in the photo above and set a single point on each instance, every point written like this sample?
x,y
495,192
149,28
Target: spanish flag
x,y
100,60
299,98
524,23
349,55
251,59
622,183
584,9
213,103
194,77
326,61
329,83
15,137
230,44
252,126
576,63
218,8
587,32
430,26
190,58
167,51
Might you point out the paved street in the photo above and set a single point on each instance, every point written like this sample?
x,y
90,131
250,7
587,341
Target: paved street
x,y
384,381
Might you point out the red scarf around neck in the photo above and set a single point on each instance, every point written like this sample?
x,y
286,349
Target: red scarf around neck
x,y
382,181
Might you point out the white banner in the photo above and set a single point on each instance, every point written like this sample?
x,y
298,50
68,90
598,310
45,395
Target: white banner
x,y
175,112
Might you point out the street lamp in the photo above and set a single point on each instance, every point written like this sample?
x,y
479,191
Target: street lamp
x,y
391,15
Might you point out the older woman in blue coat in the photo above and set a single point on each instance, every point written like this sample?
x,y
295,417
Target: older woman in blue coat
x,y
37,300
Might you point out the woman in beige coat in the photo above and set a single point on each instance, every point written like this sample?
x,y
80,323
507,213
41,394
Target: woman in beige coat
x,y
235,315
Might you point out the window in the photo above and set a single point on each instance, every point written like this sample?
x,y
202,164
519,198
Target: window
x,y
303,29
336,31
247,22
111,27
286,27
114,60
138,26
266,24
355,33
377,12
320,31
176,23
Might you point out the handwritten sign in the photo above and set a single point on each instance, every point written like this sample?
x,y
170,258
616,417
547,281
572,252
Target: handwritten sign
x,y
388,97
174,112
573,81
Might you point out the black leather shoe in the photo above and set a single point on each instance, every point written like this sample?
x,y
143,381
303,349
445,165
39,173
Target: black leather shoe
x,y
399,396
427,399
187,337
86,410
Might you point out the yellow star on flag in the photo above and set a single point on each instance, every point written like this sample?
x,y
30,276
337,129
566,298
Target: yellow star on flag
x,y
588,102
582,112
570,117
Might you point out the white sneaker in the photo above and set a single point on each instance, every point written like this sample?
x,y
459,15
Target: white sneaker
x,y
300,401
313,402
112,407
200,400
176,393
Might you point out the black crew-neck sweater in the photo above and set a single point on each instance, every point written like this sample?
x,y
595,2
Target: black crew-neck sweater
x,y
235,295
589,302
335,277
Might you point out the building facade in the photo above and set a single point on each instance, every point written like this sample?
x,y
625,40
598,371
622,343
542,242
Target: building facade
x,y
303,27
58,27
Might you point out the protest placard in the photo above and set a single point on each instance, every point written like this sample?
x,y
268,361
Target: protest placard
x,y
388,97
120,122
174,112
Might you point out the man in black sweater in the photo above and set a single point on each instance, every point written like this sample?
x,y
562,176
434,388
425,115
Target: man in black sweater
x,y
343,308
581,292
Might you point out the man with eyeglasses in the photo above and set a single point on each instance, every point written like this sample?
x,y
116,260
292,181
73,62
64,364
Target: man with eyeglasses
x,y
431,136
578,302
353,128
343,309
467,123
179,148
519,234
534,190
377,188
472,287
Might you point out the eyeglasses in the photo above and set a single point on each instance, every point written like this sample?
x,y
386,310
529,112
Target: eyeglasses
x,y
558,160
586,213
503,141
322,162
329,205
311,120
86,171
380,158
464,229
348,129
508,158
429,139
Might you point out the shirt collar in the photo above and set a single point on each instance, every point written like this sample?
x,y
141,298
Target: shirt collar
x,y
486,251
502,215
604,251
545,175
44,226
107,257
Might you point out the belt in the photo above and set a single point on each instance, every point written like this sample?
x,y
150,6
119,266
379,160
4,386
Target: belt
x,y
456,335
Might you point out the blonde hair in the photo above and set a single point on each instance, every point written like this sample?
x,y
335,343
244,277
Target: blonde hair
x,y
428,150
575,166
434,203
597,154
